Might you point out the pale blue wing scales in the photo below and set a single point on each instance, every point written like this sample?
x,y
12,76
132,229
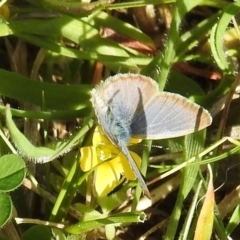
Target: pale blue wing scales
x,y
169,115
127,94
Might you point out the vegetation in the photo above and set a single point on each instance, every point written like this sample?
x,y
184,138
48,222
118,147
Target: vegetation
x,y
52,53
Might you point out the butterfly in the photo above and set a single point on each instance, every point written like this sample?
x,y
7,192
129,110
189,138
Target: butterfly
x,y
131,105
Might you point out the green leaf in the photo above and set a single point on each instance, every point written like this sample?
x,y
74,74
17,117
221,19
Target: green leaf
x,y
121,218
234,220
80,32
193,145
39,154
179,83
88,212
58,97
73,7
217,34
111,202
25,147
5,209
12,172
38,233
106,20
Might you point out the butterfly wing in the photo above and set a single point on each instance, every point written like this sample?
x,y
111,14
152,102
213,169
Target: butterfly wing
x,y
117,100
126,94
169,115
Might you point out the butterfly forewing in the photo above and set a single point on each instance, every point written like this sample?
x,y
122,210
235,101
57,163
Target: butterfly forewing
x,y
127,94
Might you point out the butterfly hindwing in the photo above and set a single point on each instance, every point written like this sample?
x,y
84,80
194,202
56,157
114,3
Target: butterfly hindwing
x,y
169,115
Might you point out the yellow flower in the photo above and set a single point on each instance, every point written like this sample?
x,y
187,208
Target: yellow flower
x,y
108,174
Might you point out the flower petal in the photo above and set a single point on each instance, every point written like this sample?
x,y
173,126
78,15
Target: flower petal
x,y
89,158
128,172
133,141
108,176
99,137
